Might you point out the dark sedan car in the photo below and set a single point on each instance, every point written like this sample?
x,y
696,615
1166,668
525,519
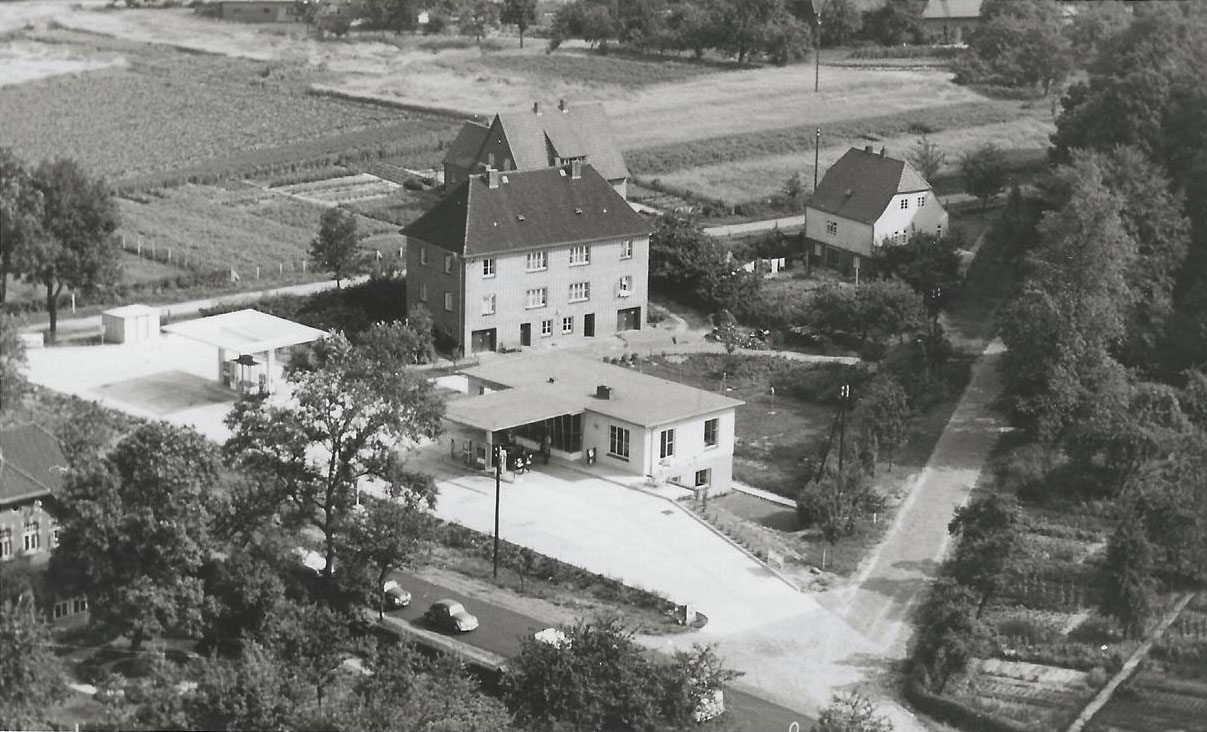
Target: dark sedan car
x,y
450,615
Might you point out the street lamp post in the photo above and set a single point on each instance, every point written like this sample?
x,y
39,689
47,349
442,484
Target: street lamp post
x,y
816,157
843,394
500,455
817,57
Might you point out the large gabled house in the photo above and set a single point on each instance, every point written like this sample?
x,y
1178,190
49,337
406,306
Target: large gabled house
x,y
868,200
520,259
538,138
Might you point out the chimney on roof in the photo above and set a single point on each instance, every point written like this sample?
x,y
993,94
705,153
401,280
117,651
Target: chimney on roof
x,y
603,392
492,178
536,108
867,149
881,151
576,169
561,104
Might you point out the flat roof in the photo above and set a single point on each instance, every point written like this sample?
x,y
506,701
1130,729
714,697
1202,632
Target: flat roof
x,y
510,408
245,331
568,382
127,311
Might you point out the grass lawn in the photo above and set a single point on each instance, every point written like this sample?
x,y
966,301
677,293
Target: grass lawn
x,y
589,68
973,312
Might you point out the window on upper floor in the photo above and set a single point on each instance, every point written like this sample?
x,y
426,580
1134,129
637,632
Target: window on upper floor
x,y
423,255
832,228
580,256
667,444
626,249
580,291
54,536
488,304
448,302
626,286
546,328
538,261
448,263
79,604
537,297
921,201
711,429
490,159
6,543
422,292
904,203
488,268
31,538
568,325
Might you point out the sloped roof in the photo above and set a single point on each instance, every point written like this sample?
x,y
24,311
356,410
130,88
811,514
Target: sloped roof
x,y
952,10
31,463
565,383
577,131
862,184
463,153
529,210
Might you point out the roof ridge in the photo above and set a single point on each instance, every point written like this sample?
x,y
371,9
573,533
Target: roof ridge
x,y
9,464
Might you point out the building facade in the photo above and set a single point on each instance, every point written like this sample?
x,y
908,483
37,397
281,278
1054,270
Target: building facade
x,y
258,11
529,260
867,200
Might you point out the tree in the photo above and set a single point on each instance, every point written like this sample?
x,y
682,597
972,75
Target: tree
x,y
927,157
691,266
836,500
254,690
20,214
520,13
136,530
1130,595
851,712
31,676
984,172
336,249
1021,43
927,263
402,343
948,630
389,534
1093,26
598,680
348,421
868,314
985,528
245,597
74,247
13,384
840,23
690,682
881,416
892,24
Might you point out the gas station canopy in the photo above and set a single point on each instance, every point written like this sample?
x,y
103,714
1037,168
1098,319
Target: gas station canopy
x,y
245,331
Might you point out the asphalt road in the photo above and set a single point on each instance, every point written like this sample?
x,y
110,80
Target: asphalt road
x,y
500,631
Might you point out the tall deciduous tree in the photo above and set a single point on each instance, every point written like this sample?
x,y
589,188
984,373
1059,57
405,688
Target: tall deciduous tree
x,y
20,214
520,13
892,24
389,534
349,420
1130,594
984,172
947,633
336,249
927,157
1021,43
985,528
840,23
31,675
13,384
74,246
136,530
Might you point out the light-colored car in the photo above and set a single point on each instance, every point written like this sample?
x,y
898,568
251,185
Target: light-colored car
x,y
553,637
393,596
450,615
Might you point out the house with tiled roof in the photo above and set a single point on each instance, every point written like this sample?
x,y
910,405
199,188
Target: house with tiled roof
x,y
538,138
32,465
528,259
868,200
947,21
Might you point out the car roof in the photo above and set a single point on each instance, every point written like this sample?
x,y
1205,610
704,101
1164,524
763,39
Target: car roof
x,y
450,604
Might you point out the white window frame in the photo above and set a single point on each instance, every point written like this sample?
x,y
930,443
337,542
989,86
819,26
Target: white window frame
x,y
580,256
832,228
54,536
542,261
488,268
580,291
448,302
6,543
567,324
626,286
715,422
626,249
921,201
488,304
61,609
537,297
422,292
619,439
905,203
666,443
546,328
707,473
31,538
79,605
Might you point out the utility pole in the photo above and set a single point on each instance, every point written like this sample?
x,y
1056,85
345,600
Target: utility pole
x,y
844,395
817,57
816,157
500,456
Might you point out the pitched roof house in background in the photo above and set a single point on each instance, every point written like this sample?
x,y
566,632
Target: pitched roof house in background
x,y
948,20
866,200
537,138
32,465
528,259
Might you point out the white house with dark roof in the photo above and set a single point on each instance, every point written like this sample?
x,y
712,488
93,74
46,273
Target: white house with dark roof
x,y
528,259
538,138
608,418
867,200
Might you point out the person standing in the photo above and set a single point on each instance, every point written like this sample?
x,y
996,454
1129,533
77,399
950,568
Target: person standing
x,y
546,447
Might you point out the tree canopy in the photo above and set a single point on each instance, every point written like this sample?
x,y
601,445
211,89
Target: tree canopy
x,y
13,384
336,249
31,675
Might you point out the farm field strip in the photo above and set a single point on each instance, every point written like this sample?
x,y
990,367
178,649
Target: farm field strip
x,y
346,189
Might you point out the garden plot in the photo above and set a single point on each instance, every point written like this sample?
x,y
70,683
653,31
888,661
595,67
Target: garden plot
x,y
345,189
1043,698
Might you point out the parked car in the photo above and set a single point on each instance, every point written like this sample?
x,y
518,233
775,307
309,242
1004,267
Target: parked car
x,y
393,596
450,615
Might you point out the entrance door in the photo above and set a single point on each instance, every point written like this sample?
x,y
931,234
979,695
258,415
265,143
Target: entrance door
x,y
482,340
628,319
589,325
525,334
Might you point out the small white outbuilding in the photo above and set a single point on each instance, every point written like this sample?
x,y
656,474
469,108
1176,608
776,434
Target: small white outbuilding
x,y
130,324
